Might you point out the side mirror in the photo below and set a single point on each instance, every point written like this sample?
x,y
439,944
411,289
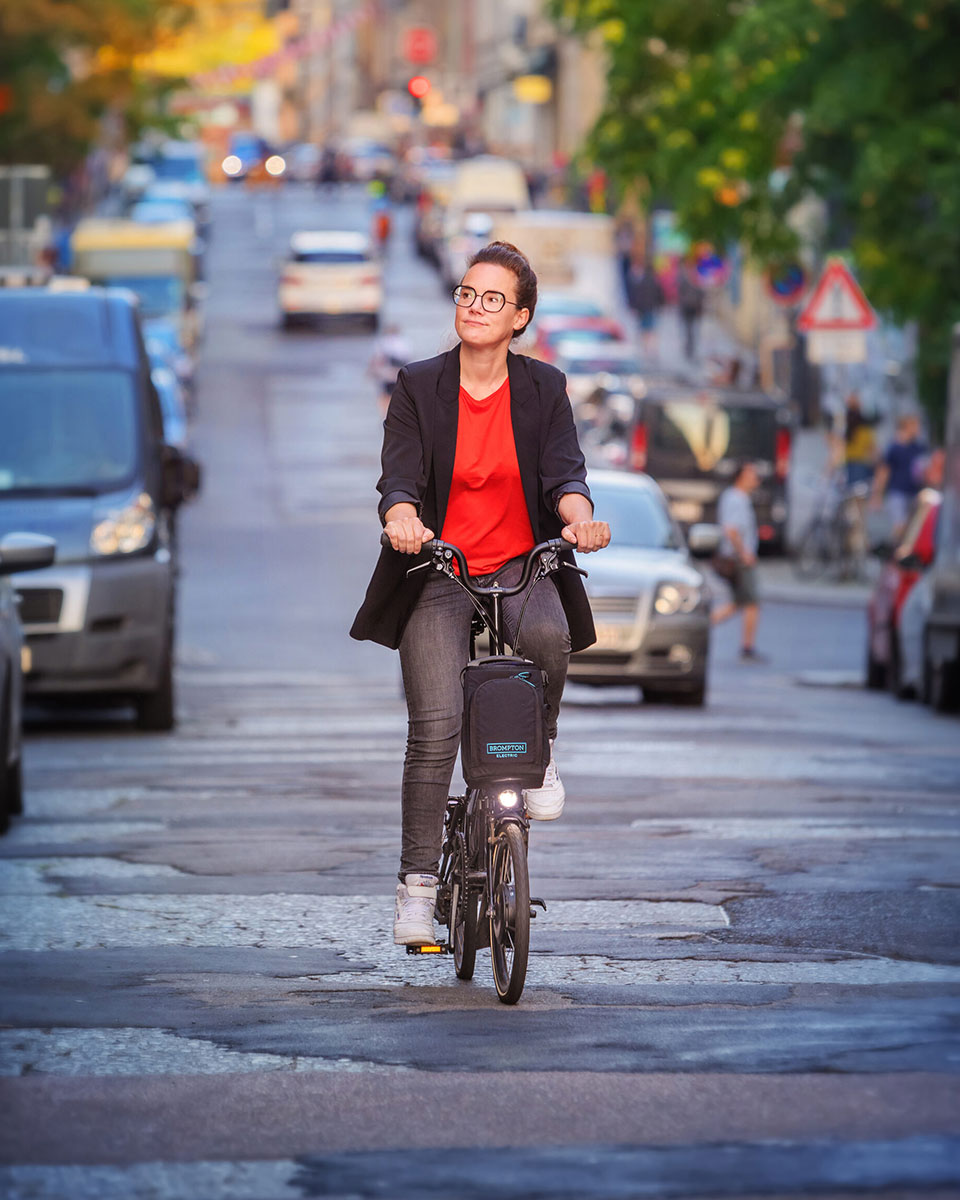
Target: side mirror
x,y
703,541
180,478
26,552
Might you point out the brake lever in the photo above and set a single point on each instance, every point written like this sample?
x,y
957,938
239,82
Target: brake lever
x,y
579,570
420,567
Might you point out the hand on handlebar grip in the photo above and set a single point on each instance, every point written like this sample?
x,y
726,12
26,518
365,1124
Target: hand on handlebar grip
x,y
587,536
407,535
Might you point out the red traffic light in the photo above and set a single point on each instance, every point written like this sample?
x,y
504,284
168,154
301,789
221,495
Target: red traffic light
x,y
418,86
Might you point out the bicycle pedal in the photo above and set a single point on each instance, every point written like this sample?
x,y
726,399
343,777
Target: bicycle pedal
x,y
536,900
430,948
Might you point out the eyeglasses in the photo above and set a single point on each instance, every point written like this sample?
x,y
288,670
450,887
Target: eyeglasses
x,y
491,301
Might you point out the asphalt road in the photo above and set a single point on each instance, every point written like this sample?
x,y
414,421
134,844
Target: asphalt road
x,y
747,979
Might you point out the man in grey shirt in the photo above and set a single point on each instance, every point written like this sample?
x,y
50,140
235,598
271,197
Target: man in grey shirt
x,y
736,559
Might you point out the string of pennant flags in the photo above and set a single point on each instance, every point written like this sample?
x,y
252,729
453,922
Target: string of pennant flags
x,y
293,51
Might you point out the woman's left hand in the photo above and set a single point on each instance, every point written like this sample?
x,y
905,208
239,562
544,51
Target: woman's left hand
x,y
587,536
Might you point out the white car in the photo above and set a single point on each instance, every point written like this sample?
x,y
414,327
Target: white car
x,y
330,274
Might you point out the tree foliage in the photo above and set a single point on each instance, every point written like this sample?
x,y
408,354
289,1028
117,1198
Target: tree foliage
x,y
734,111
65,63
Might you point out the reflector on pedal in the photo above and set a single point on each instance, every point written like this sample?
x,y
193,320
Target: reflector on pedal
x,y
441,948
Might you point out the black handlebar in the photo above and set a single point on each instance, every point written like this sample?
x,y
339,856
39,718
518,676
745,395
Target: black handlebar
x,y
443,554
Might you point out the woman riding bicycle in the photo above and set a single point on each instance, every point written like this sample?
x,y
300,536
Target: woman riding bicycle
x,y
480,449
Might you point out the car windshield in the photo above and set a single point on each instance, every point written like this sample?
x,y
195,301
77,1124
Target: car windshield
x,y
700,434
330,258
159,295
178,168
637,518
562,307
156,212
586,334
599,365
67,430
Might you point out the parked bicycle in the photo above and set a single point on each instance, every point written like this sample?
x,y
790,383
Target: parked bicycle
x,y
836,541
483,895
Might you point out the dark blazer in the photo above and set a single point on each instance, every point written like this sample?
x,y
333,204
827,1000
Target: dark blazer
x,y
419,445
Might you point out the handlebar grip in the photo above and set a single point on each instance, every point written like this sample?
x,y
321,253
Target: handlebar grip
x,y
428,546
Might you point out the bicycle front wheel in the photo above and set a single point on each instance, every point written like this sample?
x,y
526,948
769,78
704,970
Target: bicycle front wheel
x,y
509,914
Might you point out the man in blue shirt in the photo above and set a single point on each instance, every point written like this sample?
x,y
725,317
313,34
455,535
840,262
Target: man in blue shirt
x,y
897,479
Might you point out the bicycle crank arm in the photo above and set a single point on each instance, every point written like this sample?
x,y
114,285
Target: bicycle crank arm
x,y
431,948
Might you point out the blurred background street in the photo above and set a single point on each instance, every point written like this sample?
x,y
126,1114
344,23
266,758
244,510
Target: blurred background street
x,y
746,979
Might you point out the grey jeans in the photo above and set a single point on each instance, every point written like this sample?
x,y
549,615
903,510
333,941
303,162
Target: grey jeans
x,y
433,651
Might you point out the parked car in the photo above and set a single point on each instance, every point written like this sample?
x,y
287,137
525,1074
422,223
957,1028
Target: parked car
x,y
330,274
172,406
941,634
83,459
19,552
900,574
691,440
612,365
588,331
562,304
650,602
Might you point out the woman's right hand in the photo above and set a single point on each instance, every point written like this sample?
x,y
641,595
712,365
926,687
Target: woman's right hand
x,y
407,534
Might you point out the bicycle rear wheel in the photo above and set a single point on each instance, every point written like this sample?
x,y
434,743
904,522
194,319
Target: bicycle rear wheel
x,y
510,914
464,916
817,551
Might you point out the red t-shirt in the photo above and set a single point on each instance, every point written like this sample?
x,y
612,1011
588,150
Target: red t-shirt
x,y
487,513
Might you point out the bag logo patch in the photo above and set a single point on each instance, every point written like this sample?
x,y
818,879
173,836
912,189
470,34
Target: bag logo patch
x,y
506,749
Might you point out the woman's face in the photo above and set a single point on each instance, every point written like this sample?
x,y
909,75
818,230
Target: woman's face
x,y
478,328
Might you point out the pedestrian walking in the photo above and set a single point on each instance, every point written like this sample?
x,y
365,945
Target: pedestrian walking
x,y
645,296
625,238
736,560
690,299
479,447
859,441
898,477
390,353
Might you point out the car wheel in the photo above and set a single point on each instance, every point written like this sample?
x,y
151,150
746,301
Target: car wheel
x,y
15,789
690,696
155,710
6,805
876,672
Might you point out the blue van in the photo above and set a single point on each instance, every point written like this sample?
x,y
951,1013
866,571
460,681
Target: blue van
x,y
83,460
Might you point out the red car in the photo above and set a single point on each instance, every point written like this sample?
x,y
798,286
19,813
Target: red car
x,y
910,559
550,331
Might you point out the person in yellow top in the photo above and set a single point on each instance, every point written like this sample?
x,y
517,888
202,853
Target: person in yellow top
x,y
859,442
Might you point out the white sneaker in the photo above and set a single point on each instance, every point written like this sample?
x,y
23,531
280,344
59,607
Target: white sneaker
x,y
545,803
413,916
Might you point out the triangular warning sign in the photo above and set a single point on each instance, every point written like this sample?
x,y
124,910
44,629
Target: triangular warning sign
x,y
837,303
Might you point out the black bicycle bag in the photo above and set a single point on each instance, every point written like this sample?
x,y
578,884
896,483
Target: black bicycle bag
x,y
504,722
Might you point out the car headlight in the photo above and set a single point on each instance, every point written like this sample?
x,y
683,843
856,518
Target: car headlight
x,y
125,530
674,598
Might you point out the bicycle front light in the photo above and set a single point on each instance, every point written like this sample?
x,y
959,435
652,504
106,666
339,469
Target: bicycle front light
x,y
508,798
124,530
674,598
